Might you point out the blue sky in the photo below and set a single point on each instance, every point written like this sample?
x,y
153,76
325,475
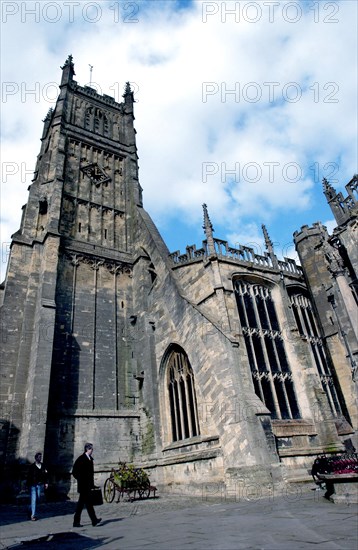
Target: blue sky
x,y
245,106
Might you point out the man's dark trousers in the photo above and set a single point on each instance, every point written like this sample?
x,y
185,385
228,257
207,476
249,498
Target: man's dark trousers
x,y
84,500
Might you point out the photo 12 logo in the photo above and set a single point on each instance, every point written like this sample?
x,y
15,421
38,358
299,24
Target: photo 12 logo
x,y
69,12
271,171
269,92
254,12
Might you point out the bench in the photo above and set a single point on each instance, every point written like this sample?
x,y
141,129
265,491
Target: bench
x,y
339,473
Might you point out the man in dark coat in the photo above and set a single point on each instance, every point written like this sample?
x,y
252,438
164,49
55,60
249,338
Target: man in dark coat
x,y
36,479
83,471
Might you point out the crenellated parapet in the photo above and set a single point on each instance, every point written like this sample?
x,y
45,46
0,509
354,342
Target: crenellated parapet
x,y
306,231
93,94
242,254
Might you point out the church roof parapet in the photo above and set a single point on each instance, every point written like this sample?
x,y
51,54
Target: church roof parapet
x,y
91,92
219,248
242,254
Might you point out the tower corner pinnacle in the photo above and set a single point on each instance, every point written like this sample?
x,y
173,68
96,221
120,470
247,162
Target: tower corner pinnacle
x,y
128,93
328,189
269,246
208,230
68,71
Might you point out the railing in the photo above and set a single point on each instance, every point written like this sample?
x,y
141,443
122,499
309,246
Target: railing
x,y
290,266
242,254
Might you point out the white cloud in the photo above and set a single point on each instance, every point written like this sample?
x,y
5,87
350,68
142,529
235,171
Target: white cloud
x,y
330,224
169,56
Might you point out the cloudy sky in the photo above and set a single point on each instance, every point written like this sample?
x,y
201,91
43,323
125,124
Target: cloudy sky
x,y
243,105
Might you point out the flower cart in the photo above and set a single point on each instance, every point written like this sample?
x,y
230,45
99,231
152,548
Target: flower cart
x,y
128,480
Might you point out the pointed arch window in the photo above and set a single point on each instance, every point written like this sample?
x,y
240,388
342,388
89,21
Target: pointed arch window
x,y
96,121
309,331
182,397
105,126
271,374
88,118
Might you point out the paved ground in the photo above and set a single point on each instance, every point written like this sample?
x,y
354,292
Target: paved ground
x,y
295,521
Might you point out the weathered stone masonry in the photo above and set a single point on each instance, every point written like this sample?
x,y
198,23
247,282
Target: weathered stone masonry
x,y
217,367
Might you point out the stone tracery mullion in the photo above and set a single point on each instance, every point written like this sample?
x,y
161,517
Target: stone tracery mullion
x,y
188,390
299,311
264,351
194,404
173,413
175,396
184,406
187,393
278,362
181,409
178,409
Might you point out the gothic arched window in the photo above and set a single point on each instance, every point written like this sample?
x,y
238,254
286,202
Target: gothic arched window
x,y
309,331
271,374
89,118
105,126
182,398
96,121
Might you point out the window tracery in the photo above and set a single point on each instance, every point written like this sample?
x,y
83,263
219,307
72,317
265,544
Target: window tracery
x,y
96,121
182,397
308,329
271,374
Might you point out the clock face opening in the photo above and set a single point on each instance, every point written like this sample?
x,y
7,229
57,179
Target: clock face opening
x,y
96,174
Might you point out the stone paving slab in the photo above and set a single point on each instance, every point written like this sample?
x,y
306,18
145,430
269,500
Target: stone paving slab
x,y
174,522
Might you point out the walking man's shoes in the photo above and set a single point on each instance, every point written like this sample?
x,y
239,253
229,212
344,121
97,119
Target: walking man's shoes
x,y
96,522
77,525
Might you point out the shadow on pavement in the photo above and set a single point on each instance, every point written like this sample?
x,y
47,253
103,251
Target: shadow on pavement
x,y
12,513
65,541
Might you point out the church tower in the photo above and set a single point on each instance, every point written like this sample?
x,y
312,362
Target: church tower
x,y
67,357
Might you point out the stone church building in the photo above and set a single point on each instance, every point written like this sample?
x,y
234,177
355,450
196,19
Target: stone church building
x,y
213,368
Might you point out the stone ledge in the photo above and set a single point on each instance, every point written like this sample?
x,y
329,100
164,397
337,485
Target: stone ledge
x,y
103,413
306,451
287,428
48,303
191,441
96,250
205,454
